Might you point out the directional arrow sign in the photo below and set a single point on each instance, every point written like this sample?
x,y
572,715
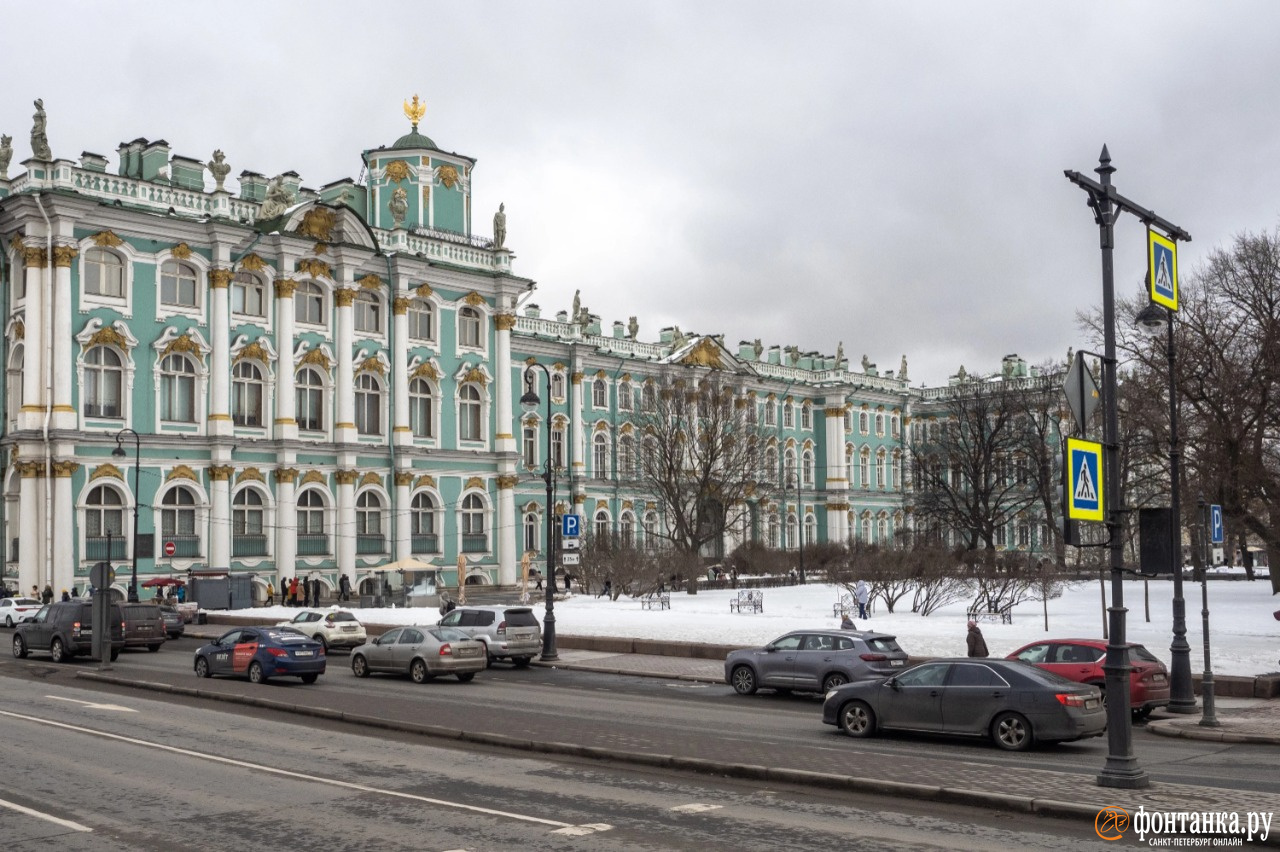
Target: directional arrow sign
x,y
1084,480
89,705
1082,392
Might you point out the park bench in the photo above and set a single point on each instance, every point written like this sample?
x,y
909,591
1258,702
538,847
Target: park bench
x,y
656,601
1002,614
748,600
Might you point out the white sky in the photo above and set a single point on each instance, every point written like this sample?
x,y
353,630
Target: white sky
x,y
1241,627
886,175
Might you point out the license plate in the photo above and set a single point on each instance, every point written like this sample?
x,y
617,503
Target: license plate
x,y
468,652
897,662
1158,677
349,628
304,653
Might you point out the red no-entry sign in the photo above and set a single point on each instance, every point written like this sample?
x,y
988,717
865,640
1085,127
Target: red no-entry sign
x,y
170,548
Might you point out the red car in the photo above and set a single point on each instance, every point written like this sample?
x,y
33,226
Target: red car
x,y
1081,660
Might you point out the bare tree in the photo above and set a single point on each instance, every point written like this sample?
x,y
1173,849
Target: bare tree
x,y
1048,583
629,569
939,581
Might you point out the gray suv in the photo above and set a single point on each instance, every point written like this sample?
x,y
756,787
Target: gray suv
x,y
814,661
65,630
508,632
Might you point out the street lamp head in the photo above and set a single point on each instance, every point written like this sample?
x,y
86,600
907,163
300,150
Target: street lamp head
x,y
1152,319
118,452
529,401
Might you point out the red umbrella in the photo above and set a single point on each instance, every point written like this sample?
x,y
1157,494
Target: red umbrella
x,y
160,582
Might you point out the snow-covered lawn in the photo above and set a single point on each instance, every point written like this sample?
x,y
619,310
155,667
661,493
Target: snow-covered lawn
x,y
1242,631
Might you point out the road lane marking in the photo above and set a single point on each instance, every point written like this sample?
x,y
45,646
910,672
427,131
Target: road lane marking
x,y
347,785
89,705
64,823
695,808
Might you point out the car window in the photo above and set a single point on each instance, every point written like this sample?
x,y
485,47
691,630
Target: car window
x,y
448,634
484,618
410,637
467,619
391,636
817,643
253,636
930,674
1078,654
883,644
974,674
844,643
43,615
1143,654
229,638
286,636
521,618
342,616
452,618
1034,653
787,643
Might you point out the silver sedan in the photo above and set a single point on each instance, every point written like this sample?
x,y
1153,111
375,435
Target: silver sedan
x,y
422,653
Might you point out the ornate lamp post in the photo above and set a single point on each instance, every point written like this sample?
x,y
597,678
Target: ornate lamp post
x,y
1208,718
529,402
1182,699
120,453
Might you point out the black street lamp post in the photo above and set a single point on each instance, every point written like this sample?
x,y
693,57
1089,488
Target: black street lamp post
x,y
119,453
1208,718
1181,696
529,402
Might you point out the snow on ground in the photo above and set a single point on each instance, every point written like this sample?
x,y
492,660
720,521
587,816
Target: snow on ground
x,y
1243,634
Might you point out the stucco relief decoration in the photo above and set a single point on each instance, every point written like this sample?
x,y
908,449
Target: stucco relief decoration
x,y
447,175
220,279
579,498
96,334
403,478
505,322
424,291
370,478
34,256
376,363
425,481
473,299
284,288
400,305
396,171
18,330
506,483
64,469
250,474
344,297
317,224
252,263
286,474
182,471
220,472
315,357
106,239
370,282
314,268
476,375
474,482
186,343
313,476
425,370
255,351
64,255
346,477
181,251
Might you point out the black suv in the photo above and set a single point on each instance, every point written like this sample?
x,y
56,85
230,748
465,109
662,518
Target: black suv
x,y
143,626
65,629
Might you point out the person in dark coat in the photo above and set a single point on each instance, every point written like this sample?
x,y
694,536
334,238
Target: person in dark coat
x,y
293,591
977,645
47,595
315,592
344,588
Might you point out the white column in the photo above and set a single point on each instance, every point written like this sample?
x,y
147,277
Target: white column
x,y
401,433
837,477
346,531
286,425
219,537
344,429
30,540
576,440
404,523
286,548
508,556
64,414
506,442
64,563
33,353
220,369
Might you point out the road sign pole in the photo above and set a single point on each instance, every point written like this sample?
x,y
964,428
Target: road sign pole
x,y
1208,718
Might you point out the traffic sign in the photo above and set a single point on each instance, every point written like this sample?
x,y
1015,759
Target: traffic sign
x,y
170,548
570,558
1082,392
570,526
1162,270
1084,480
571,544
1215,524
102,575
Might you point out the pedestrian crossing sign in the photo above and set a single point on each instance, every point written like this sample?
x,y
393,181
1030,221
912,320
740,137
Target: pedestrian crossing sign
x,y
1084,480
1162,270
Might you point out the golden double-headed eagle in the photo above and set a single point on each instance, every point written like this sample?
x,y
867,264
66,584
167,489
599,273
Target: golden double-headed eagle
x,y
414,111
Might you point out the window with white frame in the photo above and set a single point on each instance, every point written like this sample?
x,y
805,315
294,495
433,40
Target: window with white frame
x,y
469,328
864,467
248,295
178,284
308,303
248,517
368,404
807,468
104,513
178,513
772,525
626,456
599,394
602,526
866,529
600,455
1024,534
557,386
103,273
806,416
864,422
422,320
649,398
770,413
848,420
1002,536
557,447
895,472
752,415
423,524
312,539
474,537
309,394
789,465
880,466
368,313
625,398
771,462
626,530
531,528
895,425
369,537
177,389
810,529
103,381
421,409
248,392
788,415
880,425
469,409
882,529
650,527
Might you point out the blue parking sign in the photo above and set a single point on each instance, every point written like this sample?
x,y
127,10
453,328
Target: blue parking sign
x,y
1215,524
570,526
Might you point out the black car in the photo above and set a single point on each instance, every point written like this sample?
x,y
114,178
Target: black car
x,y
65,629
1012,702
174,626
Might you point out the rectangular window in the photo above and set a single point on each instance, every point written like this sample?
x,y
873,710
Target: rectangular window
x,y
530,446
788,416
247,298
770,415
422,324
557,448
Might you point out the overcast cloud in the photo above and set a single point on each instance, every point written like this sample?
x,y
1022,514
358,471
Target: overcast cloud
x,y
888,175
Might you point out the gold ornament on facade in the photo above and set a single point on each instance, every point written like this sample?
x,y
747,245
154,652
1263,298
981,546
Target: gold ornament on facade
x,y
185,344
627,504
424,291
415,111
476,376
425,481
403,478
64,469
321,248
250,474
705,354
370,478
181,251
344,298
425,370
371,365
627,429
284,288
107,336
317,224
106,470
370,282
31,469
314,268
106,239
63,255
505,322
579,499
220,279
286,474
19,330
396,171
576,378
254,351
34,256
473,299
182,471
220,472
313,476
317,358
448,176
474,482
834,411
252,263
561,508
507,482
346,477
400,305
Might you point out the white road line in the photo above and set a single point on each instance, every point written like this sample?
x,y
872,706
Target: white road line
x,y
695,808
65,823
93,706
363,788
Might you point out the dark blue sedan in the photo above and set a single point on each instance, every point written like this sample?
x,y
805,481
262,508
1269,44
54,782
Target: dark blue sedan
x,y
262,652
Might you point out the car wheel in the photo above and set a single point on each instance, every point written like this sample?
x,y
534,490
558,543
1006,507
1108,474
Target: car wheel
x,y
521,662
8,621
153,648
466,677
743,680
857,719
58,651
256,674
202,668
359,666
833,680
309,678
1141,713
1011,732
19,648
324,643
418,671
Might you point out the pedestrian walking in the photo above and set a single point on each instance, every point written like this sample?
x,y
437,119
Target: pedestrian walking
x,y
315,591
977,645
271,594
293,591
66,595
863,595
344,588
537,578
47,595
566,581
75,591
182,594
607,589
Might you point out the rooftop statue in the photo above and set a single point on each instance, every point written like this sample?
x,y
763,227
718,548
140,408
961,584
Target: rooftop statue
x,y
219,169
758,348
633,328
839,352
39,142
278,199
577,304
500,226
6,154
399,206
902,369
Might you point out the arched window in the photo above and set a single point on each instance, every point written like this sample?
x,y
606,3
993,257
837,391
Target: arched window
x,y
368,404
599,393
848,420
807,468
557,446
651,528
752,408
810,529
626,456
848,462
866,529
557,385
880,466
793,530
788,415
422,320
178,521
308,303
469,328
773,530
248,296
248,524
103,517
368,313
531,528
770,412
895,473
177,389
103,381
178,284
474,537
369,537
880,425
602,528
625,398
424,538
771,463
600,455
14,387
529,443
247,394
309,393
649,398
103,273
626,530
806,416
421,409
312,540
469,409
864,467
790,472
864,422
882,528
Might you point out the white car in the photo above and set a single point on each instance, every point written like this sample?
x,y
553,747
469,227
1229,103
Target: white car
x,y
13,610
332,628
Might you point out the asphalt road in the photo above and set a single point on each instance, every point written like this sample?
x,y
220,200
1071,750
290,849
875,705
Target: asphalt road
x,y
89,771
